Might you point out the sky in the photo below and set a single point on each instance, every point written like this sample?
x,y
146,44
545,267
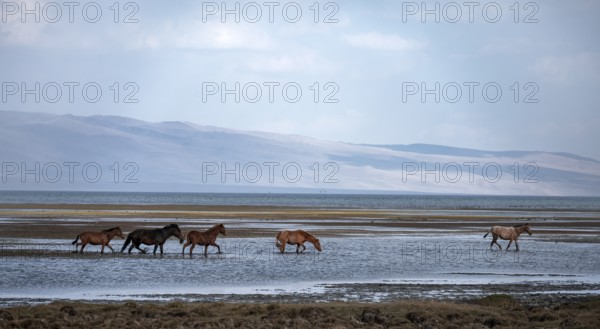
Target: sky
x,y
486,75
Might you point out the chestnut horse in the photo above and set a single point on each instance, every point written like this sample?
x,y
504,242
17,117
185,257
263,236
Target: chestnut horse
x,y
507,233
98,238
296,238
205,239
156,237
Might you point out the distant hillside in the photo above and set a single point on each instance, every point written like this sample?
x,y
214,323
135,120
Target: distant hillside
x,y
44,151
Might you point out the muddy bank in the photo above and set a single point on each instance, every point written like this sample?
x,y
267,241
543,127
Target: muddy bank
x,y
62,221
495,311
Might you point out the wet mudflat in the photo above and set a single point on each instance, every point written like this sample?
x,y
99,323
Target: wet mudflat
x,y
375,255
358,268
414,269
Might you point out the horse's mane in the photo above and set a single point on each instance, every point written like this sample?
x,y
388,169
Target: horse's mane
x,y
215,227
171,225
310,235
110,229
521,225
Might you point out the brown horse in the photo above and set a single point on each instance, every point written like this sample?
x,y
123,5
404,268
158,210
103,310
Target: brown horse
x,y
156,237
205,239
98,238
507,233
296,238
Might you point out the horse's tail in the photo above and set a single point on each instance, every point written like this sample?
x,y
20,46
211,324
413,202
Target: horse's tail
x,y
277,243
485,236
127,241
74,242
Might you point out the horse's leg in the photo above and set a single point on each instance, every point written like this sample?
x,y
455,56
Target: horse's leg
x,y
192,248
495,240
303,247
509,243
499,246
83,246
218,247
205,250
187,243
517,244
161,248
137,246
102,249
155,247
111,248
282,248
131,247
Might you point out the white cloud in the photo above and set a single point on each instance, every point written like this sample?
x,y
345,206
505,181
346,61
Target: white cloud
x,y
563,69
382,42
188,35
223,37
13,31
284,63
507,46
198,35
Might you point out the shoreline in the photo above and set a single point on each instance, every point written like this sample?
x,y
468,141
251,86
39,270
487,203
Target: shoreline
x,y
533,293
67,220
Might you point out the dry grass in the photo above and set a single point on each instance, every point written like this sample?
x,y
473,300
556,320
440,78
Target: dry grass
x,y
491,312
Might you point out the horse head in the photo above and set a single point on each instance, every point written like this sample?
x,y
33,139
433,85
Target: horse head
x,y
119,232
527,228
317,244
176,232
116,231
222,229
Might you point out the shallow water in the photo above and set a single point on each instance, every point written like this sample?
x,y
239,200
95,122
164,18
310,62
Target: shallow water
x,y
46,269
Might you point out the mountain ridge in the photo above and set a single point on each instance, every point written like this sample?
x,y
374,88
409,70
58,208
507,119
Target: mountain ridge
x,y
188,156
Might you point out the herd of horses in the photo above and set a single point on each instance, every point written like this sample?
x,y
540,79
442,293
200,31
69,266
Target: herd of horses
x,y
157,237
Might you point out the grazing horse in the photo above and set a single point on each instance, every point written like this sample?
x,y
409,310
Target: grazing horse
x,y
507,233
156,237
296,238
205,239
98,238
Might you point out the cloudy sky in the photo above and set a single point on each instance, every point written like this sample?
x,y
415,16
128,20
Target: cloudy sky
x,y
506,77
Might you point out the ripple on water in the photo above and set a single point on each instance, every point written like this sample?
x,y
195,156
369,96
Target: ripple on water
x,y
254,266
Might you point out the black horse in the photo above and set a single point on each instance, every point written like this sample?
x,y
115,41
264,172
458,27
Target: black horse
x,y
156,237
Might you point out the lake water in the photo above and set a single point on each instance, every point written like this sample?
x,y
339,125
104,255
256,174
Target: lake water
x,y
253,266
365,201
42,270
